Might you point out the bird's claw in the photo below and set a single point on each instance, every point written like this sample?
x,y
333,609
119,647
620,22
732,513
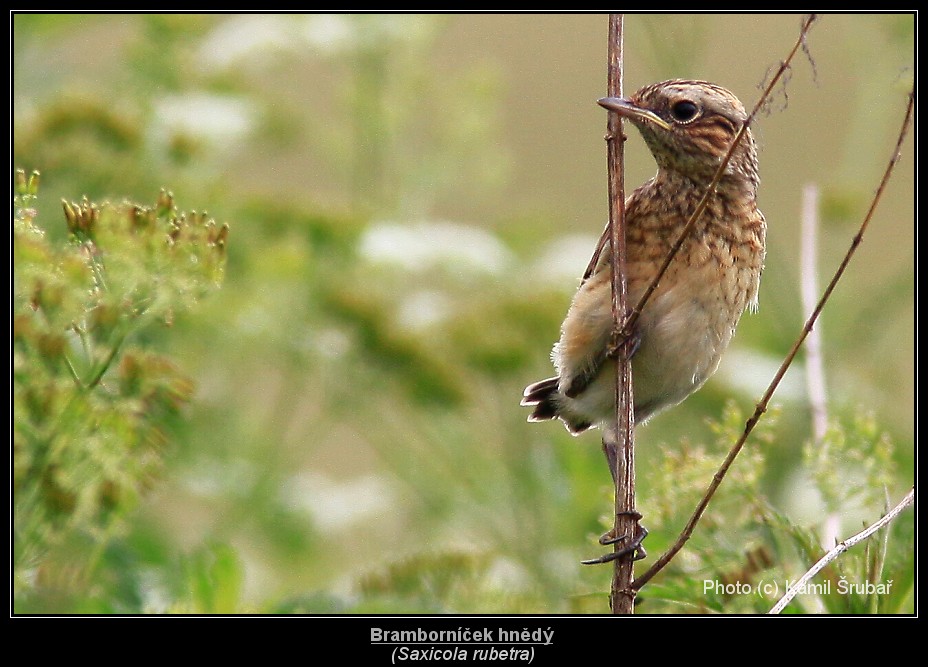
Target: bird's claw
x,y
622,343
634,547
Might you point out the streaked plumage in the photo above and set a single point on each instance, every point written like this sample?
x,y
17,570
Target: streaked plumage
x,y
690,319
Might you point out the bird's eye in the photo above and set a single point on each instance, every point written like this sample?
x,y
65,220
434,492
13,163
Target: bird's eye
x,y
684,111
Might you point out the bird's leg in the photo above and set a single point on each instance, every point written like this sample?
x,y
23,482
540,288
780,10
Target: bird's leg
x,y
611,457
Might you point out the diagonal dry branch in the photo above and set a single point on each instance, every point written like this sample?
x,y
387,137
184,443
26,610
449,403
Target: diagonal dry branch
x,y
774,383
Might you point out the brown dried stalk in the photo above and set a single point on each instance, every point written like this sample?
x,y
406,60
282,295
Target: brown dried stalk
x,y
619,445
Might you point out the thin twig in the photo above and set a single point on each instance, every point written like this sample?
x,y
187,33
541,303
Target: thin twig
x,y
840,549
100,370
74,376
807,327
623,448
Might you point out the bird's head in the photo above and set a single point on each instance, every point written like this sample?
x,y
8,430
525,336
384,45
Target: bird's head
x,y
689,126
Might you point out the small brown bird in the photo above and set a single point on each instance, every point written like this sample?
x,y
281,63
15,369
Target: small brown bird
x,y
690,318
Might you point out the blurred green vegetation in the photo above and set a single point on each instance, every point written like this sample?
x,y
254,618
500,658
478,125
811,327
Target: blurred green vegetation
x,y
337,429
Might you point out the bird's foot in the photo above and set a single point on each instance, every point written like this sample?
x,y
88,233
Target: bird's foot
x,y
634,546
622,343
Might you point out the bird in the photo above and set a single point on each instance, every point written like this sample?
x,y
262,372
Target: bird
x,y
690,318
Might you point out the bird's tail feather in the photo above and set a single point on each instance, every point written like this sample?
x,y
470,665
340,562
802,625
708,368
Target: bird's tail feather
x,y
544,396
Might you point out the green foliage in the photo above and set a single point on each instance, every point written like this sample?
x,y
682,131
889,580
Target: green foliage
x,y
745,552
214,579
64,132
394,153
91,400
852,466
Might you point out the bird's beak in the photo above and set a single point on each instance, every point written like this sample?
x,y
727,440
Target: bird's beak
x,y
628,109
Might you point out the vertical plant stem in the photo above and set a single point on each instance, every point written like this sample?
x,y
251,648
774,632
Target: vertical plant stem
x,y
622,595
815,364
815,367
